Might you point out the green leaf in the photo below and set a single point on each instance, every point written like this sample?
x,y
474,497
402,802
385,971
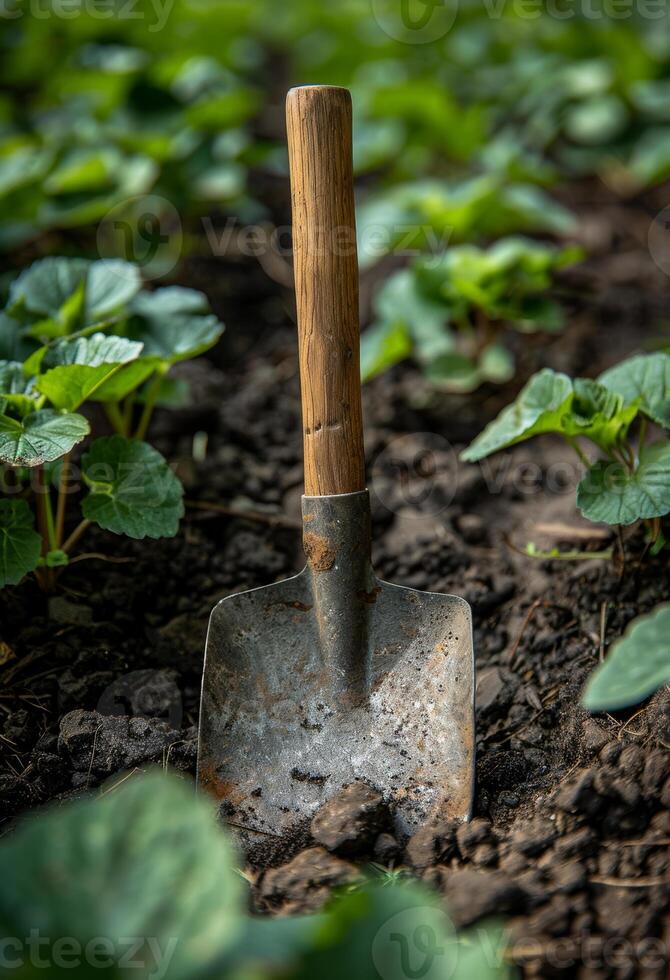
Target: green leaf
x,y
133,490
539,408
637,664
398,931
110,285
74,369
47,284
401,301
125,380
40,436
172,324
610,493
19,543
598,414
63,289
146,860
170,300
14,346
383,345
12,379
644,379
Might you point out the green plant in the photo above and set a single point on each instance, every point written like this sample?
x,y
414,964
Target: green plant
x,y
450,312
426,215
630,480
75,333
637,664
141,882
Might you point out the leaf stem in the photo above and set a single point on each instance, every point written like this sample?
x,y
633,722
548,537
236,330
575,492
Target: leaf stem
x,y
114,415
62,499
149,405
75,536
45,521
642,438
584,459
127,411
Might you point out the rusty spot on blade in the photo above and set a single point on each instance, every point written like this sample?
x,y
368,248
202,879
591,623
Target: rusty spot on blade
x,y
320,552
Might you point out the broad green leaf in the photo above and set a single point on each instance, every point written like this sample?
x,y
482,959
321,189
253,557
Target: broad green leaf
x,y
127,379
173,324
644,379
170,300
637,664
597,120
539,408
496,364
147,860
133,490
177,337
40,436
399,931
609,492
47,284
172,393
402,302
453,372
598,414
14,346
383,345
111,284
12,379
75,369
19,543
64,290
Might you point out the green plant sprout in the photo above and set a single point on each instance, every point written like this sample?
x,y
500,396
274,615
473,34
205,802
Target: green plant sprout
x,y
627,484
75,333
630,481
450,312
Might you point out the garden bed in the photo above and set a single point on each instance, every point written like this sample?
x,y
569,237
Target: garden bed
x,y
571,829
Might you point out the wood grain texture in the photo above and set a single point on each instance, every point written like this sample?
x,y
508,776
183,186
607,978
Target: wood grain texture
x,y
318,123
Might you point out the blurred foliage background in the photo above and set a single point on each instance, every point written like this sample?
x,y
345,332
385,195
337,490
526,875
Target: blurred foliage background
x,y
105,100
468,117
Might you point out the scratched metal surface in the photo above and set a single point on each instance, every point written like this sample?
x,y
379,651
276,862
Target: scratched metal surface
x,y
334,675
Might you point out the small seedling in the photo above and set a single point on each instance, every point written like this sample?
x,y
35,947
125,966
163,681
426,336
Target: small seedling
x,y
450,313
630,480
74,333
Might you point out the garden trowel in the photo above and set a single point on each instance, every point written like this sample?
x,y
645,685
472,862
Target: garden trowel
x,y
333,675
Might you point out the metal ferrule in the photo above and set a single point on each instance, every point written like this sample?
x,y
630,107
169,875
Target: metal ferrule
x,y
336,540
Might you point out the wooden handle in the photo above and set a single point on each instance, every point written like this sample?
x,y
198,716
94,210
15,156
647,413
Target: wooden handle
x,y
318,123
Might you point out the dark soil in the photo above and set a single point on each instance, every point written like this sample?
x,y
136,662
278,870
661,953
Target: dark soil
x,y
570,838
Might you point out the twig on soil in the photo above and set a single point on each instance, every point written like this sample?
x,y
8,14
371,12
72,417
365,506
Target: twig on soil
x,y
517,643
624,728
87,556
110,789
603,627
630,882
273,520
90,765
